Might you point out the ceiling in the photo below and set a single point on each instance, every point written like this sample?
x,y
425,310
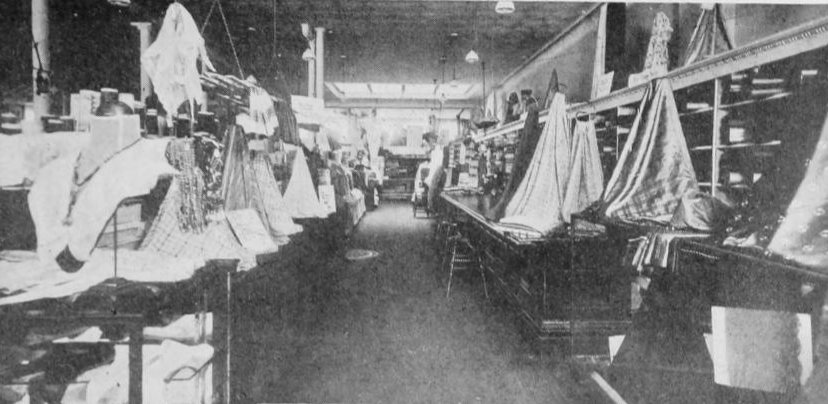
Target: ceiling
x,y
368,41
391,41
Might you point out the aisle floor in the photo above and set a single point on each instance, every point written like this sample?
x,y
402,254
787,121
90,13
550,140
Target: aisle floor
x,y
315,327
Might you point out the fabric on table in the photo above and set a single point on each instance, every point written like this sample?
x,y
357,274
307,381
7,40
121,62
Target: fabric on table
x,y
33,279
300,198
709,36
654,171
802,235
586,177
191,207
56,227
266,200
262,112
24,156
288,130
538,201
216,241
701,212
526,144
170,61
236,160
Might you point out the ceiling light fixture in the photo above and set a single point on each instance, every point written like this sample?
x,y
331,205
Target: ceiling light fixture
x,y
472,57
307,56
119,3
505,7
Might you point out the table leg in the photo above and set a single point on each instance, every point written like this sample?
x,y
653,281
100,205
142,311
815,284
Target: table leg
x,y
136,364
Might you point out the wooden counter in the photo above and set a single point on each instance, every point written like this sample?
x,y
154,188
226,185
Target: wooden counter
x,y
565,286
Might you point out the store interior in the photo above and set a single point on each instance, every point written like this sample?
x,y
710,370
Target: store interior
x,y
413,201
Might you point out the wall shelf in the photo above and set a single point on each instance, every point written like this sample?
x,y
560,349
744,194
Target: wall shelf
x,y
806,37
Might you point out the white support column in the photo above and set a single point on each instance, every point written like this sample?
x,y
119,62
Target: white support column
x,y
40,35
320,62
312,70
144,34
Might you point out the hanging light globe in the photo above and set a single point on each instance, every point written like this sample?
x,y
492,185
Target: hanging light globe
x,y
505,7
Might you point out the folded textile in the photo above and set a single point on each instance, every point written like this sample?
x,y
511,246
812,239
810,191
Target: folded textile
x,y
586,176
654,170
538,201
300,199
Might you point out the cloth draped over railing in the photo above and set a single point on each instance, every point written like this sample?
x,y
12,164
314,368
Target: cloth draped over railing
x,y
654,170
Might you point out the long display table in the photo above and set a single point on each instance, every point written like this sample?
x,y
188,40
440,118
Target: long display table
x,y
568,286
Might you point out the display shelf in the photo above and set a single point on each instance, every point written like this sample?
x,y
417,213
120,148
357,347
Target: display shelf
x,y
794,41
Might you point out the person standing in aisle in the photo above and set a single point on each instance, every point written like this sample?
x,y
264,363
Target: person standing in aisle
x,y
435,173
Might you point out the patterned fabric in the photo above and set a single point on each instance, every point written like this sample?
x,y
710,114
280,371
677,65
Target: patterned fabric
x,y
803,234
181,155
586,177
538,201
654,171
216,241
709,37
657,55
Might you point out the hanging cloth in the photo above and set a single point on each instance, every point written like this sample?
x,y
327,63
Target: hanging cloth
x,y
300,197
170,61
803,234
654,171
267,200
657,59
288,132
233,189
586,177
262,112
538,201
709,36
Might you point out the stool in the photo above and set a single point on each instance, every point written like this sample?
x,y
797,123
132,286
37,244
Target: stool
x,y
462,256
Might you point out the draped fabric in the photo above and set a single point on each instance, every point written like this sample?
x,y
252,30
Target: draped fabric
x,y
262,112
654,170
249,183
538,201
300,197
236,159
523,155
216,240
170,61
803,234
586,177
657,59
709,36
288,132
78,229
268,203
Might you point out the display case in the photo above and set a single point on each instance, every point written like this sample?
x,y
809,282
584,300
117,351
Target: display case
x,y
400,172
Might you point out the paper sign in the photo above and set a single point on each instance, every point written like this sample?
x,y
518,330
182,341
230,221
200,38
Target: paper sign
x,y
327,197
761,350
250,231
604,85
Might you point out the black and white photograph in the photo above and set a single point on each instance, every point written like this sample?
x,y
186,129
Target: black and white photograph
x,y
413,201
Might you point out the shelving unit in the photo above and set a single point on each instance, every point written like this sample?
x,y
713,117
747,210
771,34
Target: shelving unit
x,y
778,76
